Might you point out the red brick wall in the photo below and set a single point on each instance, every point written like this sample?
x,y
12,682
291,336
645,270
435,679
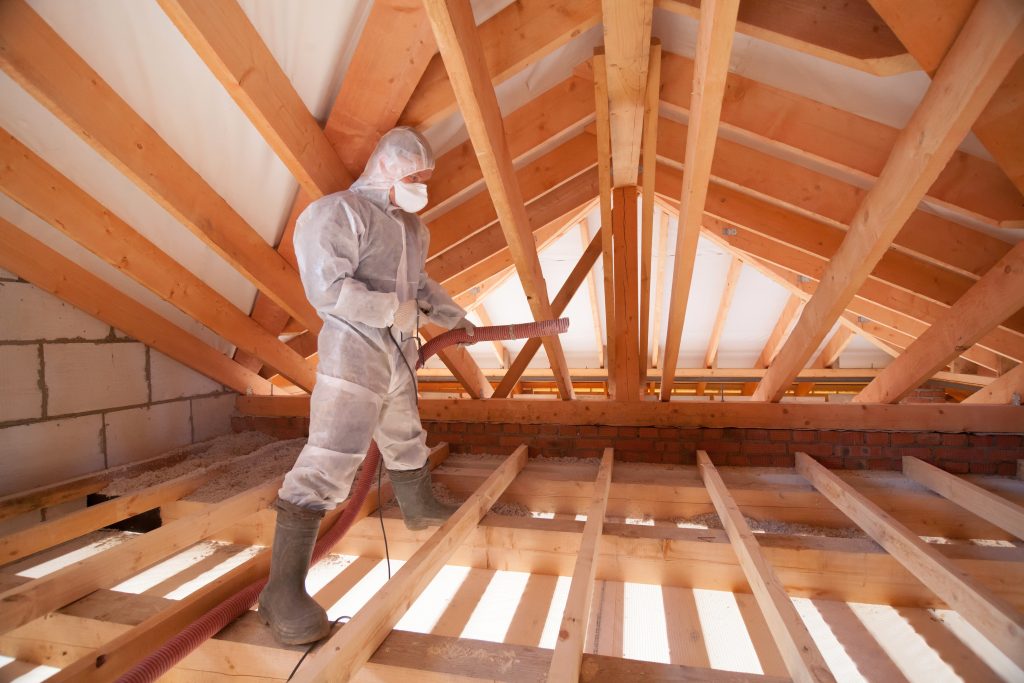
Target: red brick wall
x,y
858,450
961,453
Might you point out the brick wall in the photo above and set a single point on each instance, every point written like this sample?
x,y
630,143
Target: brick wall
x,y
961,453
77,396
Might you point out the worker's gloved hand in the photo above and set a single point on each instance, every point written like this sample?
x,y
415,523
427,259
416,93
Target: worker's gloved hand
x,y
465,324
405,317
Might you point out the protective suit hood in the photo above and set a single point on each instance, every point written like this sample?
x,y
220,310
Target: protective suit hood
x,y
400,152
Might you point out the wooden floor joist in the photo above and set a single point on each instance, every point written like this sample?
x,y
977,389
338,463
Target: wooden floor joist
x,y
997,619
803,659
565,662
341,656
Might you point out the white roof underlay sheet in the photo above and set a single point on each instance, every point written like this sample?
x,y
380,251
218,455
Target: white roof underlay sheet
x,y
138,51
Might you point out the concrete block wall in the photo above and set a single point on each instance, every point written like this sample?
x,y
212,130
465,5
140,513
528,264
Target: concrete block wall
x,y
77,396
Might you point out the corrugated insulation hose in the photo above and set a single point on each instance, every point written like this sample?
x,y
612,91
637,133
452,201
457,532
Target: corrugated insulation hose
x,y
205,627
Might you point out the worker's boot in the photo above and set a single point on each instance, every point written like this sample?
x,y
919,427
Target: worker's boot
x,y
416,498
293,616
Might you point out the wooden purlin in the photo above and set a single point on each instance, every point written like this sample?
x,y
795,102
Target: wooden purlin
x,y
979,60
714,45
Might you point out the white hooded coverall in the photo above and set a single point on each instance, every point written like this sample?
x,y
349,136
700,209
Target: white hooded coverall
x,y
360,256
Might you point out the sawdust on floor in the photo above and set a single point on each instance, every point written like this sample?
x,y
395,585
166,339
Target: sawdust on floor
x,y
262,465
710,520
199,456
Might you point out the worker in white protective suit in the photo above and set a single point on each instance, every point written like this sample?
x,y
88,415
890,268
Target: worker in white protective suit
x,y
361,254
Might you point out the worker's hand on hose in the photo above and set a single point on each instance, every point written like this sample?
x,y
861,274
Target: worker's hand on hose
x,y
405,317
465,324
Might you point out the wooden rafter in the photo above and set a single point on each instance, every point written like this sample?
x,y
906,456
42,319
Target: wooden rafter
x,y
714,45
732,278
565,294
228,43
929,31
829,355
649,160
983,54
994,298
993,616
345,652
552,114
366,107
776,337
568,654
456,34
38,59
659,290
41,189
842,32
1009,388
627,44
48,270
847,144
799,652
512,39
595,303
604,180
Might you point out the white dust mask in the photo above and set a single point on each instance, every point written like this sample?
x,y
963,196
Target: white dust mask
x,y
410,197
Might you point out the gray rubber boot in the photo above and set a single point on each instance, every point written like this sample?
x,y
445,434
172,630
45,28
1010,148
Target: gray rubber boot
x,y
416,498
293,617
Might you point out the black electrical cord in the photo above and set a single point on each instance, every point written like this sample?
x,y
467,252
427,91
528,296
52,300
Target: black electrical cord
x,y
314,644
380,516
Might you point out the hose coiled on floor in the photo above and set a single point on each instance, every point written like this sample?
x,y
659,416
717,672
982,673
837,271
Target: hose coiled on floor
x,y
205,627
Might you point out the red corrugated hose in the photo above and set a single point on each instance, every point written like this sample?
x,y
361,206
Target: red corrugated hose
x,y
205,627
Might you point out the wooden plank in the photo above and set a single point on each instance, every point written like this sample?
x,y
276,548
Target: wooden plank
x,y
39,596
627,44
650,164
48,270
225,39
462,365
846,33
929,31
659,290
993,616
344,653
54,532
885,417
977,64
732,277
846,144
568,654
829,356
991,507
802,658
994,298
512,39
41,189
776,337
604,179
714,45
595,304
626,327
460,46
565,294
1006,389
39,60
118,655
